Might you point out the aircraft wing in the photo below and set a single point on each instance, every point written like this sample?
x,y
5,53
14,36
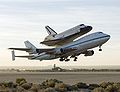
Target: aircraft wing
x,y
43,50
52,42
58,42
63,52
69,52
21,49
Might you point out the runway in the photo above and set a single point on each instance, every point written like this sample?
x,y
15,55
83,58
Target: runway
x,y
66,77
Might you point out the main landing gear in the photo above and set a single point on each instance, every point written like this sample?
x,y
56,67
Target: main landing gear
x,y
75,59
61,59
64,59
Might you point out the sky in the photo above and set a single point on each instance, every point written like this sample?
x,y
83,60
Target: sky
x,y
22,20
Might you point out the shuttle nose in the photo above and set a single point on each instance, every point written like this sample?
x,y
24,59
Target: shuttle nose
x,y
87,28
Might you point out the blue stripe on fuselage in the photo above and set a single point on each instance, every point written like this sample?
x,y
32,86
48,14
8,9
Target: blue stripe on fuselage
x,y
87,41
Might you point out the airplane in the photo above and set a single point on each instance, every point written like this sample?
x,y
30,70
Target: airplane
x,y
54,39
65,52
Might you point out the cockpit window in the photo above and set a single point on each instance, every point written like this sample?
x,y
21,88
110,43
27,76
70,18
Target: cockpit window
x,y
82,25
100,32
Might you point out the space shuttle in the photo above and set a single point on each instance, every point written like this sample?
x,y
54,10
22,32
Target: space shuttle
x,y
59,39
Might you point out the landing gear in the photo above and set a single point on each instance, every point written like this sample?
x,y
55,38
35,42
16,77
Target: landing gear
x,y
75,59
61,59
64,59
100,48
67,60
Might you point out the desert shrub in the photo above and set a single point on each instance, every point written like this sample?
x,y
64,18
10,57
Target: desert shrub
x,y
61,87
82,85
74,87
35,87
111,88
99,89
9,84
26,85
20,89
50,89
50,82
105,84
21,81
117,85
93,86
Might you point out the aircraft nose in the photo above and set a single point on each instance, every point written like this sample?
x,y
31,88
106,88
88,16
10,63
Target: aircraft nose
x,y
87,28
108,37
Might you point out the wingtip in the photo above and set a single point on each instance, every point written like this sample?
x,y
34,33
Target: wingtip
x,y
9,48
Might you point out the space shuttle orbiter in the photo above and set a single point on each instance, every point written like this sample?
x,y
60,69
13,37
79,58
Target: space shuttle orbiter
x,y
55,39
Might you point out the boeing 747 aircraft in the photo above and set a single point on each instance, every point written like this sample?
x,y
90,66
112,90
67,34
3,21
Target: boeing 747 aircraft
x,y
54,39
65,52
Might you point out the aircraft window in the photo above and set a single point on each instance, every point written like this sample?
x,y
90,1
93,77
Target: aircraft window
x,y
100,32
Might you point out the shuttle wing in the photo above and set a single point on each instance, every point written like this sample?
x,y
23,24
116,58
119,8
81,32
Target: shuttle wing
x,y
61,41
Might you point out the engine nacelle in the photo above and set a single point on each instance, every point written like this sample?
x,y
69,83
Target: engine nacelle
x,y
60,51
89,53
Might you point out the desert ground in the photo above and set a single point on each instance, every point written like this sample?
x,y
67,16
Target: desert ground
x,y
67,77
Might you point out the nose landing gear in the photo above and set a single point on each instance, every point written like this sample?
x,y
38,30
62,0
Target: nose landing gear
x,y
100,48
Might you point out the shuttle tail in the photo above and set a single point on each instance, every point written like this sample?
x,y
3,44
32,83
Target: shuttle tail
x,y
30,46
50,30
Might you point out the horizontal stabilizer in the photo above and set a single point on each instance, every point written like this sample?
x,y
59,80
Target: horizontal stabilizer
x,y
22,49
24,56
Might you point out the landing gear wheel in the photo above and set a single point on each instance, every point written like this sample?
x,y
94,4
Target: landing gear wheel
x,y
61,59
67,60
75,59
100,49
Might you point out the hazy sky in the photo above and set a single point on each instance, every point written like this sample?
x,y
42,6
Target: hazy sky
x,y
22,20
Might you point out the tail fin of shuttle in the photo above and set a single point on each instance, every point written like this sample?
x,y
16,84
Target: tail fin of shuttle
x,y
30,46
50,30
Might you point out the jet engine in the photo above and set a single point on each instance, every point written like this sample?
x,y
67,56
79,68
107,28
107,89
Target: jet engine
x,y
89,53
61,51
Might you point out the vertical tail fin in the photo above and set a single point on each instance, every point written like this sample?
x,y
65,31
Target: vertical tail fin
x,y
50,30
30,46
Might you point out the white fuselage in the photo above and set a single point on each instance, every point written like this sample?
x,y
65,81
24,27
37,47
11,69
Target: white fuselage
x,y
83,44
